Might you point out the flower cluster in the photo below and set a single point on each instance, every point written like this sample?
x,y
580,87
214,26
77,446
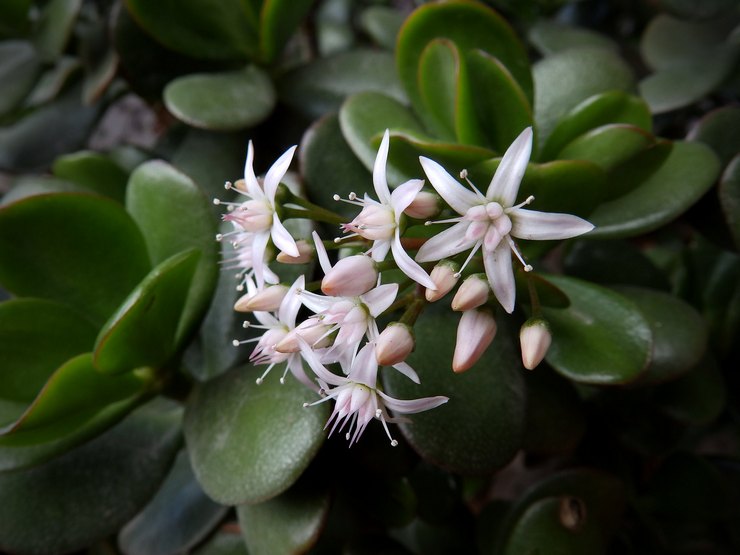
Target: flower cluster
x,y
340,326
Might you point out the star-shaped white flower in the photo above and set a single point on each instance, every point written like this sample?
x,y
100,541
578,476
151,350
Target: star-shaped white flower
x,y
258,214
380,221
492,220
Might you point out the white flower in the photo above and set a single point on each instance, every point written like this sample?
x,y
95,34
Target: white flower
x,y
358,400
380,222
491,220
241,258
258,215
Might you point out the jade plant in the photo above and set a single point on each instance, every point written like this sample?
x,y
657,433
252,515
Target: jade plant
x,y
380,277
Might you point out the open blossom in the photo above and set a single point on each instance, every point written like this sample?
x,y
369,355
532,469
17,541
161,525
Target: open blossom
x,y
257,216
380,221
491,221
241,258
358,399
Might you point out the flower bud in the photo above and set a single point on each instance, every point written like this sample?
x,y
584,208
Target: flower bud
x,y
350,277
476,330
472,293
311,330
425,205
394,344
305,254
267,300
535,339
445,276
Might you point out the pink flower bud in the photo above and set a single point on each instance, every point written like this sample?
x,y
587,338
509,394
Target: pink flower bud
x,y
311,330
425,205
472,293
535,339
305,254
350,277
445,276
476,330
394,344
267,300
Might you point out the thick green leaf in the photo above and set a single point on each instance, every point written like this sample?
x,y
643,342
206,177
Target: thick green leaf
x,y
94,171
54,27
58,507
676,87
36,337
160,199
382,23
52,81
278,21
364,117
70,247
247,442
471,26
322,85
607,146
177,518
600,109
217,100
285,525
438,77
566,79
601,339
19,68
199,28
729,197
660,195
679,334
143,330
697,397
720,129
30,185
551,37
480,429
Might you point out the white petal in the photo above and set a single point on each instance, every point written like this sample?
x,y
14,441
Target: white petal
x,y
266,319
379,179
501,275
291,303
380,249
447,243
321,253
321,372
454,194
407,371
317,303
531,224
282,238
505,183
408,266
250,180
259,244
270,276
365,367
276,173
296,368
404,194
412,406
379,299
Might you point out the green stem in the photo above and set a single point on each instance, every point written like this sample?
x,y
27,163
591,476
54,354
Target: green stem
x,y
311,211
533,297
413,311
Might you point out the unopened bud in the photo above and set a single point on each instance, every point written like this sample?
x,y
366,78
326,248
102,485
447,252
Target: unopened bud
x,y
305,254
350,277
267,300
445,276
425,205
476,330
394,344
313,332
472,293
535,339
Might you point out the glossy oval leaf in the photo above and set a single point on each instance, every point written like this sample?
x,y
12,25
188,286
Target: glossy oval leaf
x,y
143,330
382,24
278,21
52,81
480,428
601,109
93,171
551,37
676,87
660,196
217,100
177,518
69,247
564,80
249,442
19,68
28,186
679,334
56,507
602,338
438,76
719,129
159,197
607,146
54,27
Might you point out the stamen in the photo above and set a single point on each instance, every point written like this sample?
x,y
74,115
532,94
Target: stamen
x,y
468,259
512,244
448,221
528,200
261,379
464,175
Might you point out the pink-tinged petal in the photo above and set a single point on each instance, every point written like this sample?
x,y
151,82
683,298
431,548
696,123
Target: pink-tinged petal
x,y
259,245
476,330
291,303
531,224
270,276
250,180
408,266
379,180
379,299
501,275
380,249
276,173
412,406
282,238
266,319
321,372
454,194
317,303
445,244
407,371
321,253
296,368
403,195
365,367
505,183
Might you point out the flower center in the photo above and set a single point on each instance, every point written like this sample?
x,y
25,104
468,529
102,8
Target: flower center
x,y
489,223
254,215
375,222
